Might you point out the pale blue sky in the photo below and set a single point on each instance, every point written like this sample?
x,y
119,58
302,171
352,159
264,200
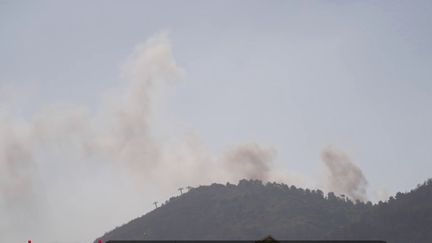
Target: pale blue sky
x,y
295,75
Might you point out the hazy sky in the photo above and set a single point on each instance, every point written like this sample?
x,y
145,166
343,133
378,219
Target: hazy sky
x,y
295,76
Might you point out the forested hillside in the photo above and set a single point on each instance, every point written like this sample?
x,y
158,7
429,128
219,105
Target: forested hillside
x,y
252,210
406,217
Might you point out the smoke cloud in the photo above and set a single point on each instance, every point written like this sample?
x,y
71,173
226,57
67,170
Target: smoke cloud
x,y
52,163
344,176
68,164
250,161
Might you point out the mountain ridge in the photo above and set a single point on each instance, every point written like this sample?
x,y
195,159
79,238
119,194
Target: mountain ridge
x,y
252,210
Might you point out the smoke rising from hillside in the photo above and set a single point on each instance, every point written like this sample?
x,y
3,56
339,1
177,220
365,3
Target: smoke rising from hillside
x,y
250,161
66,162
344,176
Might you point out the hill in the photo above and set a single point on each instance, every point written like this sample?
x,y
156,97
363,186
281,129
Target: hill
x,y
407,217
252,210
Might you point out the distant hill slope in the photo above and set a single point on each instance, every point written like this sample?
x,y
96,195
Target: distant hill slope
x,y
407,217
251,210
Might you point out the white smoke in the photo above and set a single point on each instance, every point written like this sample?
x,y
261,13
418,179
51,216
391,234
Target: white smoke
x,y
70,174
66,164
344,176
250,161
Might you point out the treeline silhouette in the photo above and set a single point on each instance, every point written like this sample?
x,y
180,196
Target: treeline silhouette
x,y
252,210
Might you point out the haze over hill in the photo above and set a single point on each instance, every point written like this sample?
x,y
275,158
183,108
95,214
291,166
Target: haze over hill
x,y
252,210
117,152
107,106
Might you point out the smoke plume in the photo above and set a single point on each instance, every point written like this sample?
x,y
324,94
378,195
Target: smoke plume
x,y
52,163
344,176
68,164
250,161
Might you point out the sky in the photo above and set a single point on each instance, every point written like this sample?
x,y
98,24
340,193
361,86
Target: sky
x,y
192,85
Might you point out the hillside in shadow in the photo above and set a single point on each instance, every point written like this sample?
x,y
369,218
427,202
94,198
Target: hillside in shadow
x,y
252,210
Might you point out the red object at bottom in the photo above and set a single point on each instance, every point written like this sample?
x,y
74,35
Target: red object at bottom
x,y
29,241
99,241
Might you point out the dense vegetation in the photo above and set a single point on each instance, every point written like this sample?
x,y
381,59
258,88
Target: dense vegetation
x,y
252,210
